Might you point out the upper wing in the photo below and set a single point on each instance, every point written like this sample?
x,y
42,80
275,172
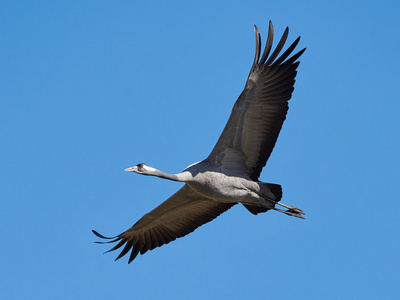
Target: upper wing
x,y
178,216
257,116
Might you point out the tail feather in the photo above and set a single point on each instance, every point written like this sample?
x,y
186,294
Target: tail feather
x,y
276,189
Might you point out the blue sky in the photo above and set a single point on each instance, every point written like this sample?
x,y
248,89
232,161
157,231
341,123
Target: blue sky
x,y
89,88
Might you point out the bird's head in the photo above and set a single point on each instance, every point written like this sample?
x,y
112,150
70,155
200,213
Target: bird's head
x,y
141,169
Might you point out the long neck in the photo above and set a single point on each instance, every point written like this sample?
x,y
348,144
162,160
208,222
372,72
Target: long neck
x,y
183,177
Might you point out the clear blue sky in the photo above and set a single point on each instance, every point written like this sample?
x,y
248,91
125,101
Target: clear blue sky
x,y
89,88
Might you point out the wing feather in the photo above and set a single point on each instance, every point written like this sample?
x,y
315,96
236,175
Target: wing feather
x,y
178,216
258,114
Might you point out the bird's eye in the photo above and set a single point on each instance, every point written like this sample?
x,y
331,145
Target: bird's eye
x,y
141,165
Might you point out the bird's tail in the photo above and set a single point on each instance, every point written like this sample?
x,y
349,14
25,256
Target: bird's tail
x,y
275,189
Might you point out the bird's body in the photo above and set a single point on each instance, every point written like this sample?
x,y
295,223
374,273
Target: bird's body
x,y
229,175
224,187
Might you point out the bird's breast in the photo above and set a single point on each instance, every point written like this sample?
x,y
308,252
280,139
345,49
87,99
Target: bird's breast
x,y
221,187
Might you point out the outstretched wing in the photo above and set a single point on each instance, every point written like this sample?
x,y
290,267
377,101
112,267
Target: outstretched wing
x,y
257,116
178,216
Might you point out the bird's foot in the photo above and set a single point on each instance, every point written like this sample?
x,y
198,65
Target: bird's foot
x,y
296,210
292,211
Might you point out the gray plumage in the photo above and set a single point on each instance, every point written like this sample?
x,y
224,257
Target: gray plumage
x,y
229,175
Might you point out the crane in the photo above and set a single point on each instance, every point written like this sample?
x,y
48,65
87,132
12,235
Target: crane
x,y
229,175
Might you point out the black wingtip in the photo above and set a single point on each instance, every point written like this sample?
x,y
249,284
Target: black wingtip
x,y
258,46
102,236
268,44
296,56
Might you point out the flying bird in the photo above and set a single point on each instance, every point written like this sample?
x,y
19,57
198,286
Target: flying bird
x,y
229,175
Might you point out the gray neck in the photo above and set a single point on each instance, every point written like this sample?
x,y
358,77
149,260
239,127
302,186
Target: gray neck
x,y
182,177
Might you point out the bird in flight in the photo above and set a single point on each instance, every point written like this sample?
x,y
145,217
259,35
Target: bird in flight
x,y
229,175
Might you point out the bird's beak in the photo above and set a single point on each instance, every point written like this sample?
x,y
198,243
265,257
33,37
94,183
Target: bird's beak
x,y
131,169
